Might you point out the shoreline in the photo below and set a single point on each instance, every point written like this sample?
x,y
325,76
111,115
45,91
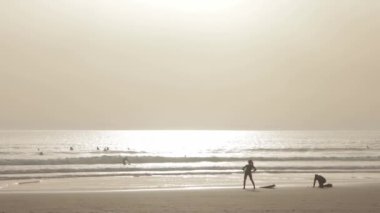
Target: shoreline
x,y
123,183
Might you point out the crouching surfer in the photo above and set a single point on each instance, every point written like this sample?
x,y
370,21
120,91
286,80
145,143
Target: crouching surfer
x,y
321,181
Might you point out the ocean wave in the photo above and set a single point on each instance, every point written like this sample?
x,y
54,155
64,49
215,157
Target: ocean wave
x,y
99,152
105,159
217,151
304,149
165,173
183,169
11,153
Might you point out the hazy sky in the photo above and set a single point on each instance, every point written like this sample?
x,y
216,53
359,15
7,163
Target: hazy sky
x,y
190,64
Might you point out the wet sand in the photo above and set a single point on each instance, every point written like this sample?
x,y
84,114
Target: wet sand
x,y
344,198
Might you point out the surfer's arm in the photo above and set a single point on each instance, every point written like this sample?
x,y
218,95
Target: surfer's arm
x,y
254,169
244,167
315,179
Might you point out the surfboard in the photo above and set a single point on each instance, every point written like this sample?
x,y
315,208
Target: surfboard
x,y
269,186
27,182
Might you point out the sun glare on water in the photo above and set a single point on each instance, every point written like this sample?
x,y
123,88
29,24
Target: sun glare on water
x,y
172,143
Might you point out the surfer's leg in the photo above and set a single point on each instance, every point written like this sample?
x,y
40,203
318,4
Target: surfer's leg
x,y
245,178
320,182
253,183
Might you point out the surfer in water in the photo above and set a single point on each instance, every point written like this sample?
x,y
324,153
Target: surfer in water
x,y
248,172
126,161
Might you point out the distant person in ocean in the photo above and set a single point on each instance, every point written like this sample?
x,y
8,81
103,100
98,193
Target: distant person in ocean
x,y
126,161
321,181
71,148
248,172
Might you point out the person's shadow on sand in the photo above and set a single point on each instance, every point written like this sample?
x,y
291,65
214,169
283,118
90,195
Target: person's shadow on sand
x,y
252,190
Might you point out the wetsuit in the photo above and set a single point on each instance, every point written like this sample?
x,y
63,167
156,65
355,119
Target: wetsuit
x,y
248,172
321,180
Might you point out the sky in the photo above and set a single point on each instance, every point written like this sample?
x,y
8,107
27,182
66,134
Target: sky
x,y
181,64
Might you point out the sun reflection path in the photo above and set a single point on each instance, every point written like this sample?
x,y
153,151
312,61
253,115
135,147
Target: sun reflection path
x,y
174,143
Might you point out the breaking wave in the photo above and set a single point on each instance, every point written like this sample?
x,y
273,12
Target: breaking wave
x,y
105,159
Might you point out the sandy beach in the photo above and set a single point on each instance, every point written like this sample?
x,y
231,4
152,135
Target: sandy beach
x,y
358,197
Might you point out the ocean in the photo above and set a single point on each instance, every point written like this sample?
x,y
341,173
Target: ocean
x,y
61,154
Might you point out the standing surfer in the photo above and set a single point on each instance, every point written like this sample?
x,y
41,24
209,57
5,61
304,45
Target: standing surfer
x,y
248,172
